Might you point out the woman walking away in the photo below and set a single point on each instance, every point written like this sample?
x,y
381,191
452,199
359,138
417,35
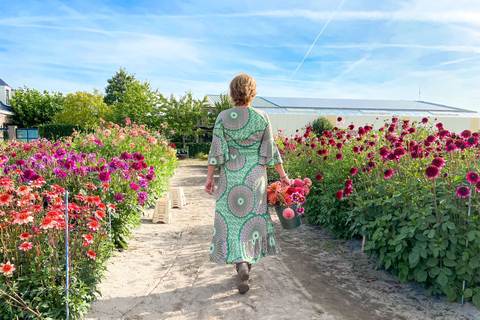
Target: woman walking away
x,y
242,147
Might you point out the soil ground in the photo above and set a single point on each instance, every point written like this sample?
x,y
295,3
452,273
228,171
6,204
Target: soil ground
x,y
166,274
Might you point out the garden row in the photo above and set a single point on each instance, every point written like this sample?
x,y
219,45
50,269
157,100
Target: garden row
x,y
109,174
412,189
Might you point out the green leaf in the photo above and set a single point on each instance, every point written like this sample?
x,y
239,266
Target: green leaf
x,y
421,276
432,262
414,258
431,234
471,235
468,293
474,262
476,300
450,225
449,263
442,279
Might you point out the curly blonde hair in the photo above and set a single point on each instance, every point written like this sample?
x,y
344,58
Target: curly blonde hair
x,y
243,89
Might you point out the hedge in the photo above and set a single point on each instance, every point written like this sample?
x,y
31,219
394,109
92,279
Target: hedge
x,y
57,131
195,148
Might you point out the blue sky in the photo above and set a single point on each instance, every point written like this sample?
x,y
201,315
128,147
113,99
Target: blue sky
x,y
370,49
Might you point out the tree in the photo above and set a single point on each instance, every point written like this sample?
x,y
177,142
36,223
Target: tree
x,y
321,124
32,108
185,115
117,86
141,104
83,108
225,103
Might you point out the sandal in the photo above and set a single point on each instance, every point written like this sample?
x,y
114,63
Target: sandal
x,y
243,269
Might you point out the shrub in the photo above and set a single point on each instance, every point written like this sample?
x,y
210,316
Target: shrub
x,y
321,124
57,131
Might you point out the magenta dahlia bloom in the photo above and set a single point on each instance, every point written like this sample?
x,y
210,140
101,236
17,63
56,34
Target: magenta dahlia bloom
x,y
353,171
383,153
60,173
463,192
411,130
477,185
466,134
351,127
438,162
361,131
424,120
472,141
356,149
300,210
388,173
339,119
134,186
104,176
339,145
473,177
432,172
450,148
339,195
439,125
348,182
338,156
348,190
319,177
371,164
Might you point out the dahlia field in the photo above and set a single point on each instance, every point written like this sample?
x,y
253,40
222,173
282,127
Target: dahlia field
x,y
412,189
109,174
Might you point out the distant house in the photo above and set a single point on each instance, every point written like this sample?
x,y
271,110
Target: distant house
x,y
290,114
5,95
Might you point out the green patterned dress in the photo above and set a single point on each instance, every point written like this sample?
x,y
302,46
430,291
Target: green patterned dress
x,y
242,147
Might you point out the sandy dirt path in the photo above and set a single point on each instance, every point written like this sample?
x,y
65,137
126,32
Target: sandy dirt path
x,y
165,274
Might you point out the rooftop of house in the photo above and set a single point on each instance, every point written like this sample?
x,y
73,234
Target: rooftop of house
x,y
3,83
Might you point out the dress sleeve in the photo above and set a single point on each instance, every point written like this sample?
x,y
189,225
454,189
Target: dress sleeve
x,y
219,150
269,154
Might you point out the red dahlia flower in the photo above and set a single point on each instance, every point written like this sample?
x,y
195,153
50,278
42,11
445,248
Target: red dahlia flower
x,y
466,134
91,254
473,177
432,172
424,120
438,162
338,156
477,185
339,119
339,145
319,177
411,130
356,149
348,182
348,190
463,192
439,126
351,127
388,173
339,195
353,171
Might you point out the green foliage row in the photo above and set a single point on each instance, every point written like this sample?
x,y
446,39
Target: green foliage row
x,y
53,131
195,148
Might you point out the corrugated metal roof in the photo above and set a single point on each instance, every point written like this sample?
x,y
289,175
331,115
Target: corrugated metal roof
x,y
277,105
3,83
258,102
361,104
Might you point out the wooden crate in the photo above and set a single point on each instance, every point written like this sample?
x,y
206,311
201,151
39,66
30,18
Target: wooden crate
x,y
178,197
163,212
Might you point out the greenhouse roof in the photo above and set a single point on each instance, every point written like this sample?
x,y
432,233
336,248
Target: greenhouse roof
x,y
314,106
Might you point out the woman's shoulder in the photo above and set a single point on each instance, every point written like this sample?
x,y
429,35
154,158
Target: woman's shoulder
x,y
261,113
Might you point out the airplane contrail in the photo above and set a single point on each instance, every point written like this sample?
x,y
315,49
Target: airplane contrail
x,y
326,24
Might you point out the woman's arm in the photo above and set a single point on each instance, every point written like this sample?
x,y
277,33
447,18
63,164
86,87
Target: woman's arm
x,y
283,175
210,184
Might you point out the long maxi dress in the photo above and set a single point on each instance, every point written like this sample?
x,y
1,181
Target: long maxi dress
x,y
242,147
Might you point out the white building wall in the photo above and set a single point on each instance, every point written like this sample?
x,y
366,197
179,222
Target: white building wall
x,y
3,90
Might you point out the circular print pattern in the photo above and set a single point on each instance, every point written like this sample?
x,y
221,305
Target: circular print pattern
x,y
257,180
254,138
222,184
219,245
240,201
235,118
253,235
235,161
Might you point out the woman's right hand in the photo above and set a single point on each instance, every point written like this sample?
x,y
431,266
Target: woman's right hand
x,y
210,186
285,181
